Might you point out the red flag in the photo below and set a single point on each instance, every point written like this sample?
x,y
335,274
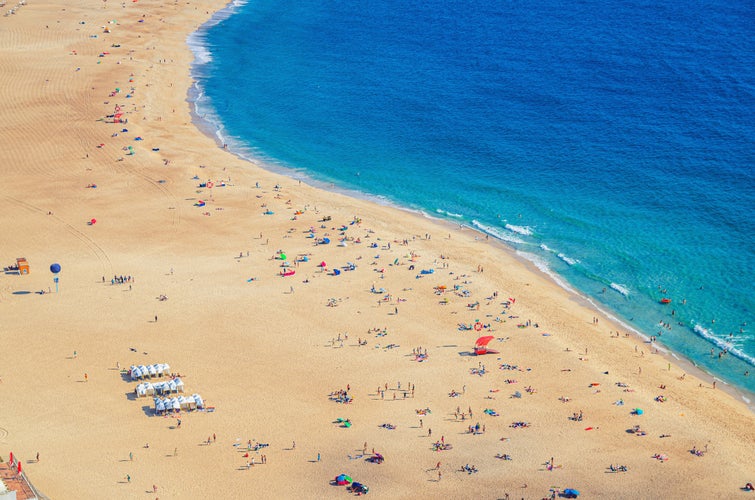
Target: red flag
x,y
11,457
19,466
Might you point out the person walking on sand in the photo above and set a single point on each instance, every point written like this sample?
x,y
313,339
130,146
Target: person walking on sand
x,y
37,457
86,378
318,456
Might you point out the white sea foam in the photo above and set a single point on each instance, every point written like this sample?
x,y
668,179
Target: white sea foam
x,y
524,230
543,266
496,233
543,246
722,344
446,212
622,289
567,259
196,42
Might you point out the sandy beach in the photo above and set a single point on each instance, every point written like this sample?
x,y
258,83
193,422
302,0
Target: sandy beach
x,y
173,250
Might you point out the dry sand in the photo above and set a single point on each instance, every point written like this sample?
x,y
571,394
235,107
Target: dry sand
x,y
264,353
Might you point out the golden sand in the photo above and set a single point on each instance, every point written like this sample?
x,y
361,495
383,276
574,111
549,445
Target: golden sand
x,y
263,350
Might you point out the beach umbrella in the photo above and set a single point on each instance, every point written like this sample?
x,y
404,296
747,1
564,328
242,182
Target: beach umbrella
x,y
283,256
571,493
55,268
342,479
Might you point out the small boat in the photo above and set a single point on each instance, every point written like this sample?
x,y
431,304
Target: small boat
x,y
665,301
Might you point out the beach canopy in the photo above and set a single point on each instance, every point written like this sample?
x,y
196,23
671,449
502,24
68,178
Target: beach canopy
x,y
481,346
571,493
484,341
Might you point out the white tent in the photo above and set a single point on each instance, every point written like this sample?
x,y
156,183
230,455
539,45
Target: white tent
x,y
198,399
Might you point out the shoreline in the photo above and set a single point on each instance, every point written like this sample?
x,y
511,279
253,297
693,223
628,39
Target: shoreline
x,y
213,129
262,349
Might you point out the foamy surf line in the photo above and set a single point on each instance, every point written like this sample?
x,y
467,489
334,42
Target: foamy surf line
x,y
523,230
562,256
723,345
496,233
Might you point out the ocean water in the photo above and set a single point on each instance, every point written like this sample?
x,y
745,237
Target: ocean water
x,y
611,143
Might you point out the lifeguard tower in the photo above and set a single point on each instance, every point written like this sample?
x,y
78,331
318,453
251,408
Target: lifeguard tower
x,y
22,265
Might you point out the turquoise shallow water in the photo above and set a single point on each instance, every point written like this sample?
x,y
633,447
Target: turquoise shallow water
x,y
611,143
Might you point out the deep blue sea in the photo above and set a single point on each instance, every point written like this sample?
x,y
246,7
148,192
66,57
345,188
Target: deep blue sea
x,y
610,142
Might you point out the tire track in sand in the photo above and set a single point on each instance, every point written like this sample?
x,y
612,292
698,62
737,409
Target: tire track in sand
x,y
102,256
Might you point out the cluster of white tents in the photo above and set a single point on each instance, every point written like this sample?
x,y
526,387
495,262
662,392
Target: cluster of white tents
x,y
188,403
165,392
142,372
166,387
